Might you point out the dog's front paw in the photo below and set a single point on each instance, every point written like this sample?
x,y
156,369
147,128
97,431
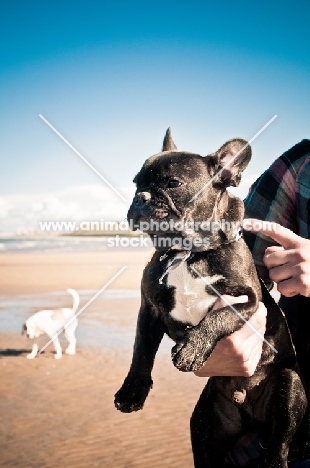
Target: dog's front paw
x,y
57,356
31,356
188,357
132,395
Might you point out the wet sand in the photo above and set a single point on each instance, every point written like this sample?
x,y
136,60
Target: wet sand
x,y
37,272
61,412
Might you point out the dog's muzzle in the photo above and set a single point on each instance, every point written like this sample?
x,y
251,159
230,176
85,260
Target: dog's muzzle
x,y
141,198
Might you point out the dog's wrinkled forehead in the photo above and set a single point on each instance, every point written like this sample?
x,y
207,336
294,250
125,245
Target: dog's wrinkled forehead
x,y
169,165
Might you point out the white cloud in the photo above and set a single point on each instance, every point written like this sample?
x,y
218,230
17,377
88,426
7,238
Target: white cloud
x,y
4,207
22,212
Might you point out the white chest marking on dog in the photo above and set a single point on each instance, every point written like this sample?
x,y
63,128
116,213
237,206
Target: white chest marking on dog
x,y
192,302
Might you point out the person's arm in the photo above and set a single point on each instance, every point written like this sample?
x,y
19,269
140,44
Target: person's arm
x,y
288,263
239,353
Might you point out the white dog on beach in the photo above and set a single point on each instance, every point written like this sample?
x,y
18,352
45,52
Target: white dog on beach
x,y
50,322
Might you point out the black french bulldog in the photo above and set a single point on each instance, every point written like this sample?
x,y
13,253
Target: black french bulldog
x,y
180,198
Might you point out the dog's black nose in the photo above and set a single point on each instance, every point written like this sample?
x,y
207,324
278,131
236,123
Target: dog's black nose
x,y
141,198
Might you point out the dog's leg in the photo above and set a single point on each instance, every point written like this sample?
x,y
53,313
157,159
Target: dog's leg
x,y
72,345
191,353
57,346
70,335
135,389
287,410
215,423
34,351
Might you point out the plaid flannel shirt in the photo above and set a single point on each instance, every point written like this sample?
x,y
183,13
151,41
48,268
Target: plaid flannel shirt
x,y
282,195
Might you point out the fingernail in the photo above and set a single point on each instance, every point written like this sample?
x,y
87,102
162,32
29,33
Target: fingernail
x,y
247,224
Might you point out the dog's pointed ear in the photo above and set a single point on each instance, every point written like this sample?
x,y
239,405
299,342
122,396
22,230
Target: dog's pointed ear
x,y
168,143
230,161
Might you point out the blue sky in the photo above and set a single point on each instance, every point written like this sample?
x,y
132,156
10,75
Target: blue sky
x,y
112,76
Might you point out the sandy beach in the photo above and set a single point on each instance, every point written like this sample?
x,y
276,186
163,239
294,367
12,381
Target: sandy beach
x,y
33,273
61,412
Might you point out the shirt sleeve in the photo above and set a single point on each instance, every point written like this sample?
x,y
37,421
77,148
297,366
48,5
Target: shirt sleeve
x,y
276,197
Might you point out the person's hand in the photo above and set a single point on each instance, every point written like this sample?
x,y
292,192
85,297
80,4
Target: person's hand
x,y
237,354
288,263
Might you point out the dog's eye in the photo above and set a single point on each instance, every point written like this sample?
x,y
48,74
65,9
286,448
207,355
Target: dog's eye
x,y
173,183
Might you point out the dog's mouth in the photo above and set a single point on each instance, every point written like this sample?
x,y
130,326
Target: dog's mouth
x,y
149,220
147,211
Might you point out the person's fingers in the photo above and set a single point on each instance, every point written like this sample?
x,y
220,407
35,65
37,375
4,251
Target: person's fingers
x,y
259,317
275,258
251,365
258,342
251,327
274,248
289,287
248,354
251,351
281,273
239,353
255,342
282,257
255,351
232,360
225,300
278,233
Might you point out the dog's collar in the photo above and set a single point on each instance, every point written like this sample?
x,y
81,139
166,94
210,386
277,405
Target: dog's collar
x,y
182,256
236,235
